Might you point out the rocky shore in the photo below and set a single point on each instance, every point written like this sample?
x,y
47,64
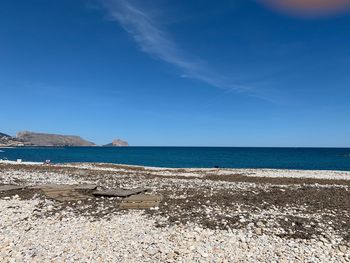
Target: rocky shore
x,y
206,215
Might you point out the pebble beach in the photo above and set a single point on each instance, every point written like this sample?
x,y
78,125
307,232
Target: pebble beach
x,y
206,215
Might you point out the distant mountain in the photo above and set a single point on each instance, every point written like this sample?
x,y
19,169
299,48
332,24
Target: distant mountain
x,y
45,139
117,143
4,135
9,141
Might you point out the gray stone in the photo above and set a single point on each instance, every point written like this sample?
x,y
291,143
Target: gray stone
x,y
260,224
342,248
258,231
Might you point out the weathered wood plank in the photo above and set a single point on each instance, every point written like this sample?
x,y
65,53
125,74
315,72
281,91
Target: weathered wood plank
x,y
141,201
119,192
60,192
4,188
144,198
51,186
85,187
64,195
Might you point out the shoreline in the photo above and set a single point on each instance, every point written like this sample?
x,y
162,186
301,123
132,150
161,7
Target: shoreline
x,y
193,172
327,159
209,214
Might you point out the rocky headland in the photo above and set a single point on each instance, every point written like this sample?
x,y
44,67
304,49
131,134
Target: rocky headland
x,y
27,138
9,141
45,139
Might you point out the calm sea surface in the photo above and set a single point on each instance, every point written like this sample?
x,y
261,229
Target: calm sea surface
x,y
227,157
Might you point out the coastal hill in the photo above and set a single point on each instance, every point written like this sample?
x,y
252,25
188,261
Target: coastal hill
x,y
9,141
4,136
117,143
45,139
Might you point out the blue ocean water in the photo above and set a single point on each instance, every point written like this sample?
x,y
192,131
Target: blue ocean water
x,y
184,157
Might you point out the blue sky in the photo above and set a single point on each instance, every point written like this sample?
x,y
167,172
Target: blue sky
x,y
168,72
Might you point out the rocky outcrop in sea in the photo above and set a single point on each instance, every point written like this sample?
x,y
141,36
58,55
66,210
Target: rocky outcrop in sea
x,y
117,143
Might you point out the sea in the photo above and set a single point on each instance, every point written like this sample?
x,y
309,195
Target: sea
x,y
191,157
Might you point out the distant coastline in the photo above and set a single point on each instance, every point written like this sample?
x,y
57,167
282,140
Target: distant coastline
x,y
28,138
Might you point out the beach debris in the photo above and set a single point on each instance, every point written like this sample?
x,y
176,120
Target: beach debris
x,y
64,192
50,186
120,192
66,186
141,201
65,195
85,187
4,188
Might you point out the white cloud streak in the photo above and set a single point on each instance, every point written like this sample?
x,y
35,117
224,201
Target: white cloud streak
x,y
155,41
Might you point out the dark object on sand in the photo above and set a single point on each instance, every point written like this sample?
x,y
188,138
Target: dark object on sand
x,y
85,187
63,192
50,186
4,188
119,192
141,201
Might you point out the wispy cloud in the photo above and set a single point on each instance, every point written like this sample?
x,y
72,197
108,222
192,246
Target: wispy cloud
x,y
156,41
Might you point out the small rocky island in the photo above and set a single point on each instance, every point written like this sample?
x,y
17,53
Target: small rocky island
x,y
27,138
117,143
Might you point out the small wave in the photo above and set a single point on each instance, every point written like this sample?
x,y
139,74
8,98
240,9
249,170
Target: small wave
x,y
1,151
